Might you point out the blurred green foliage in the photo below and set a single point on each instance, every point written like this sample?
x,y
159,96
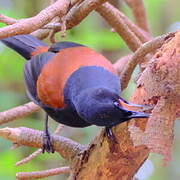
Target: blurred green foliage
x,y
93,32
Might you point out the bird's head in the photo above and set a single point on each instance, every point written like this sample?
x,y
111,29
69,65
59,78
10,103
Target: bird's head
x,y
102,107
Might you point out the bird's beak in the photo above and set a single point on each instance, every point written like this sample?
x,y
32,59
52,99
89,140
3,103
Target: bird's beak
x,y
129,105
131,114
135,114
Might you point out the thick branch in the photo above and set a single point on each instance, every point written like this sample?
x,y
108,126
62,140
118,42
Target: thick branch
x,y
159,86
26,26
67,148
39,151
107,160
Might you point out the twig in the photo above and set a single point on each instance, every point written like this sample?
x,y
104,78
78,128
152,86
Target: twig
x,y
121,63
53,31
63,27
29,158
26,26
139,55
73,2
18,112
139,13
7,20
52,26
141,34
67,148
42,174
58,129
14,146
111,15
41,33
39,151
52,1
80,11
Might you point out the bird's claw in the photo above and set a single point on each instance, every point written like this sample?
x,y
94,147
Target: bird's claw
x,y
110,135
47,143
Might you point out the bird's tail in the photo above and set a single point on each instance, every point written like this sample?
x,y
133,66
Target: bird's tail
x,y
25,45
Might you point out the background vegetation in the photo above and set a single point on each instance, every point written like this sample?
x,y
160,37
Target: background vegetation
x,y
163,17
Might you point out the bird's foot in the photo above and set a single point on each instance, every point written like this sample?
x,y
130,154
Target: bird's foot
x,y
110,135
47,143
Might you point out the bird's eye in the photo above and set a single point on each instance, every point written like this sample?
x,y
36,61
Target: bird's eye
x,y
116,104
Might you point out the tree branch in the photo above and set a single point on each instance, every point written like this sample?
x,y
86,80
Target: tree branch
x,y
18,112
7,20
139,13
111,15
121,63
141,34
29,157
80,11
42,174
138,56
26,26
67,148
159,86
39,151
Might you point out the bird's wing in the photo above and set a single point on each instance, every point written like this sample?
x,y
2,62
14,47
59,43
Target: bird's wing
x,y
32,70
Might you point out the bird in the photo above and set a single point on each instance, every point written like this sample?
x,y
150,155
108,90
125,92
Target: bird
x,y
74,85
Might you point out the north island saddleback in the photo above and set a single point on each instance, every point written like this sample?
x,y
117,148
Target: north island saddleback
x,y
75,85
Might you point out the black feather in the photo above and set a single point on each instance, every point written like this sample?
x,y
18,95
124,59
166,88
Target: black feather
x,y
32,69
62,45
23,44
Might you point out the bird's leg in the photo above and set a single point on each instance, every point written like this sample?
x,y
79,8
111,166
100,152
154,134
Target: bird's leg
x,y
110,135
47,141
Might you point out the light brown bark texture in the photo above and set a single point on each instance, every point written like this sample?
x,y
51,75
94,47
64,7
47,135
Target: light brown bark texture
x,y
157,86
